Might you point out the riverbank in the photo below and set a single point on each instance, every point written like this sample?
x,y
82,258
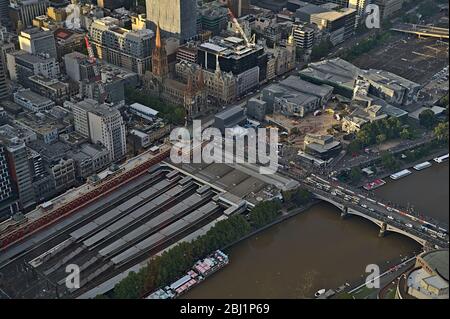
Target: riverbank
x,y
386,173
280,219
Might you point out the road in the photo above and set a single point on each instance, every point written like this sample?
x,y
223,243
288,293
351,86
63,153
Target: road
x,y
436,234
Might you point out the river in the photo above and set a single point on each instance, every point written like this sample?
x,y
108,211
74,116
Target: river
x,y
317,249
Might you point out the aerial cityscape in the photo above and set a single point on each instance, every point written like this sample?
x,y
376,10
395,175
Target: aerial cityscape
x,y
224,149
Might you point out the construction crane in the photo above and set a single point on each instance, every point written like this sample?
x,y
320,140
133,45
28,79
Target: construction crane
x,y
241,31
98,79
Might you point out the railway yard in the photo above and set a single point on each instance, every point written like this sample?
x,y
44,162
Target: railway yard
x,y
120,231
163,208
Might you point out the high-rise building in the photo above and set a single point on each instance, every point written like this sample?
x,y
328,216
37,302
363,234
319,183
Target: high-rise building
x,y
101,124
8,204
128,49
176,17
36,41
388,7
4,89
19,169
26,10
4,12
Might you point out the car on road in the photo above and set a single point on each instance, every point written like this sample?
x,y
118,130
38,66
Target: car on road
x,y
409,225
371,209
363,205
390,217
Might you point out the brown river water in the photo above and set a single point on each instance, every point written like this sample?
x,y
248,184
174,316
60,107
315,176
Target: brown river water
x,y
317,249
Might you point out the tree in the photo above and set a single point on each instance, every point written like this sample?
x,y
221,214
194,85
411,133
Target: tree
x,y
381,138
441,132
355,175
427,119
264,213
405,134
389,161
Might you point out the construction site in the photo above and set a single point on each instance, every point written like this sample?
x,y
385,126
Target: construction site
x,y
414,58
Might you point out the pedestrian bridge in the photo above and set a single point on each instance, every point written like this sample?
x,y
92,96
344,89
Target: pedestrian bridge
x,y
422,30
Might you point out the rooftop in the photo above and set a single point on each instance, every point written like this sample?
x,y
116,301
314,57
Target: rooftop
x,y
335,70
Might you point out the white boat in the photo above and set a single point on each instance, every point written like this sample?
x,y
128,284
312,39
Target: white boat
x,y
422,166
320,293
441,159
401,174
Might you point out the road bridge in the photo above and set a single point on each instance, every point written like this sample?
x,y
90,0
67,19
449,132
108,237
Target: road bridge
x,y
389,219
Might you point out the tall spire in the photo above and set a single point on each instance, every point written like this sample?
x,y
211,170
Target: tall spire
x,y
217,64
158,36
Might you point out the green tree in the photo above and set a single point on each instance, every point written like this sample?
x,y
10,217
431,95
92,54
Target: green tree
x,y
264,213
405,134
389,161
427,119
441,131
381,138
355,175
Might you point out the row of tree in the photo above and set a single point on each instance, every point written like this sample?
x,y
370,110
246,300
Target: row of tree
x,y
172,264
379,132
366,45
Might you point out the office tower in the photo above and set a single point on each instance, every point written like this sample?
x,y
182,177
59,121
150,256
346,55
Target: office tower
x,y
388,7
36,41
128,49
26,10
4,90
4,12
101,124
238,7
176,17
15,153
114,4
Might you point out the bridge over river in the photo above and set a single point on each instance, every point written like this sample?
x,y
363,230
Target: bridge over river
x,y
429,234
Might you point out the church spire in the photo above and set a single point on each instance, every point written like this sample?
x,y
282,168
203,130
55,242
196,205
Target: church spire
x,y
158,37
218,70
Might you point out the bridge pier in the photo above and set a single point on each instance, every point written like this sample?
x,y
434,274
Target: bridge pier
x,y
382,230
344,212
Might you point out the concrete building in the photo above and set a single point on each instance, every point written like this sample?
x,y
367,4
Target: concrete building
x,y
68,41
230,118
257,109
213,17
17,157
175,17
296,97
8,203
388,7
390,87
37,41
233,56
101,124
32,101
26,10
340,25
323,147
428,279
114,4
23,65
128,49
4,12
338,73
4,88
304,36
